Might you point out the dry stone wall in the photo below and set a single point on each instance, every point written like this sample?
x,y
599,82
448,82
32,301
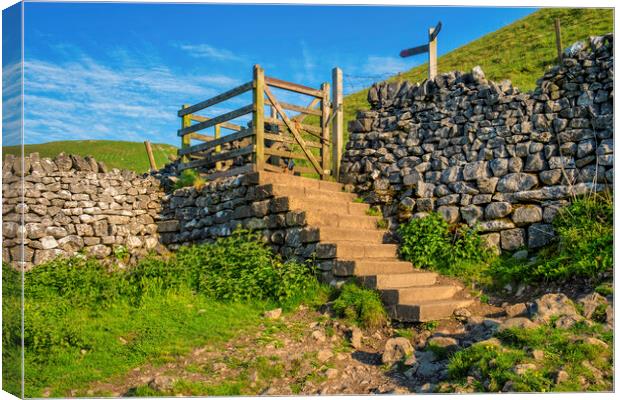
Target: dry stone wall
x,y
218,208
72,204
483,153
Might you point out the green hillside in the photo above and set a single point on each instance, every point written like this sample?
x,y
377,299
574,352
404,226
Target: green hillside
x,y
115,154
520,51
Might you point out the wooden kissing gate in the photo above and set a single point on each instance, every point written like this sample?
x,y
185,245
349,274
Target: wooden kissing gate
x,y
270,143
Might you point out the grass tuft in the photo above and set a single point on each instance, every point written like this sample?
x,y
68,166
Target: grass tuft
x,y
360,306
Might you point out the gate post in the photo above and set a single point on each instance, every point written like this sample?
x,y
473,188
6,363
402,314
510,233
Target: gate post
x,y
325,156
258,118
337,121
185,139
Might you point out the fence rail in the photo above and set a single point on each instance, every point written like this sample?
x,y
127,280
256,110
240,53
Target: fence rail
x,y
272,142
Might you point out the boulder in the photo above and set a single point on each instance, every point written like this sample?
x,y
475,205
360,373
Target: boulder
x,y
517,322
552,305
396,349
516,310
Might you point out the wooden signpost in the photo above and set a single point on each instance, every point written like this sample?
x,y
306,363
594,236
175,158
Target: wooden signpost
x,y
430,48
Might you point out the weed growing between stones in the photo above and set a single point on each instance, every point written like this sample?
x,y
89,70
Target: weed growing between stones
x,y
189,177
374,212
431,243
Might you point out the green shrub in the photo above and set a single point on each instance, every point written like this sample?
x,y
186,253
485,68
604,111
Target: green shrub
x,y
431,243
361,306
189,177
89,321
425,241
77,280
240,267
583,249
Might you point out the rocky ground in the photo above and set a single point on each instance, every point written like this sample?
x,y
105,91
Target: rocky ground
x,y
310,352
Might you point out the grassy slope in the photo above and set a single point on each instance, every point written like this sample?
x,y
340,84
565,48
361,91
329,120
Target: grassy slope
x,y
115,154
520,51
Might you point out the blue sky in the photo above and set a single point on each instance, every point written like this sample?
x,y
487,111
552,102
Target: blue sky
x,y
120,71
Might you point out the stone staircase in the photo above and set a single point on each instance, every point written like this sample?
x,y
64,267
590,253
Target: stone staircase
x,y
360,250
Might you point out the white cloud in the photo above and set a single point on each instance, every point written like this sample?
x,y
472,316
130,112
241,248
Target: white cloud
x,y
381,65
86,99
11,104
203,50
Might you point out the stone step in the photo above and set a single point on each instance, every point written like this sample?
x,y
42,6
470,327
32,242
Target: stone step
x,y
427,310
310,205
414,295
298,181
323,219
347,249
385,281
365,267
311,194
329,234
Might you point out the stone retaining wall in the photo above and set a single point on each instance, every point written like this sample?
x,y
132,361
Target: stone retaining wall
x,y
72,204
193,215
483,153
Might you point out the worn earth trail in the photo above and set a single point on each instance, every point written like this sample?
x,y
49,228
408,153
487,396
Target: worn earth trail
x,y
304,352
309,351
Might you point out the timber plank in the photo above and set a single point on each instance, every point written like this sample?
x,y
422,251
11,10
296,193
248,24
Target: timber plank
x,y
217,142
217,120
217,99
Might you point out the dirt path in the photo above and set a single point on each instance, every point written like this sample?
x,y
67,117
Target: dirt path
x,y
305,352
311,352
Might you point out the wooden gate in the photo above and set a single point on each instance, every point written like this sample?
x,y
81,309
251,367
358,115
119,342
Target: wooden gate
x,y
308,142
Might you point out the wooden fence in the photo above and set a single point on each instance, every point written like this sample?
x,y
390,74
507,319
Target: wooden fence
x,y
276,142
